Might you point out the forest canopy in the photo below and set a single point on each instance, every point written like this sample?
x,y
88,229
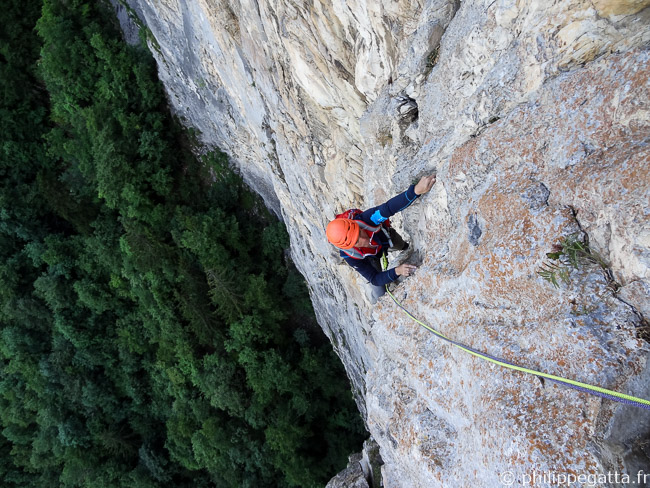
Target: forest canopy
x,y
153,333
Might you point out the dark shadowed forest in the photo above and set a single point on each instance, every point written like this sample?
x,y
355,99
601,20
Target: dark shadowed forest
x,y
153,331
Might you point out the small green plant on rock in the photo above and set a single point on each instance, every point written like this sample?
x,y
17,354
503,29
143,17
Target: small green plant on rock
x,y
573,252
554,273
431,61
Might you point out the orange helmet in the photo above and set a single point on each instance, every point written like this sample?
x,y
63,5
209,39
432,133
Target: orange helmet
x,y
343,233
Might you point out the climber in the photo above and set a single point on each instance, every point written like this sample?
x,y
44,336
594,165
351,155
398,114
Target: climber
x,y
364,237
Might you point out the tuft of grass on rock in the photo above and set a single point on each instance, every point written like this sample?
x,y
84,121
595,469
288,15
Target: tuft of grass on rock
x,y
573,252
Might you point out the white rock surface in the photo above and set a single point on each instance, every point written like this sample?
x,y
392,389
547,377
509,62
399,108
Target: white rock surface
x,y
530,112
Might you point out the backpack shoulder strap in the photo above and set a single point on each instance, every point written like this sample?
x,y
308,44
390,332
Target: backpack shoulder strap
x,y
351,213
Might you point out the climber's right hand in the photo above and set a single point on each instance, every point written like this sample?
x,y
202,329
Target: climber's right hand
x,y
405,269
425,184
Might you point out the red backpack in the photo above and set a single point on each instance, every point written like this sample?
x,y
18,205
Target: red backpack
x,y
353,213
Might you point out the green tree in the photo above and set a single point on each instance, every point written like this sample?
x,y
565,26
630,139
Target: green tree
x,y
152,331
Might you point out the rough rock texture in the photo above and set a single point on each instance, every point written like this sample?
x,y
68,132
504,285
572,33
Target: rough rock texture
x,y
350,477
363,470
536,117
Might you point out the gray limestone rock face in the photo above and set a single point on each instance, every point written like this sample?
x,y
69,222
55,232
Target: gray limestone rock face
x,y
535,116
350,477
363,470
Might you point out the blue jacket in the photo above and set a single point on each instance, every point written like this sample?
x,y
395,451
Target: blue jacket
x,y
376,216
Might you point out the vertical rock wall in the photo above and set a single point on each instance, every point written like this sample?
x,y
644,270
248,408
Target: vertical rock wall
x,y
536,117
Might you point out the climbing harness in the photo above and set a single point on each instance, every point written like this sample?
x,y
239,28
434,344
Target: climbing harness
x,y
576,385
